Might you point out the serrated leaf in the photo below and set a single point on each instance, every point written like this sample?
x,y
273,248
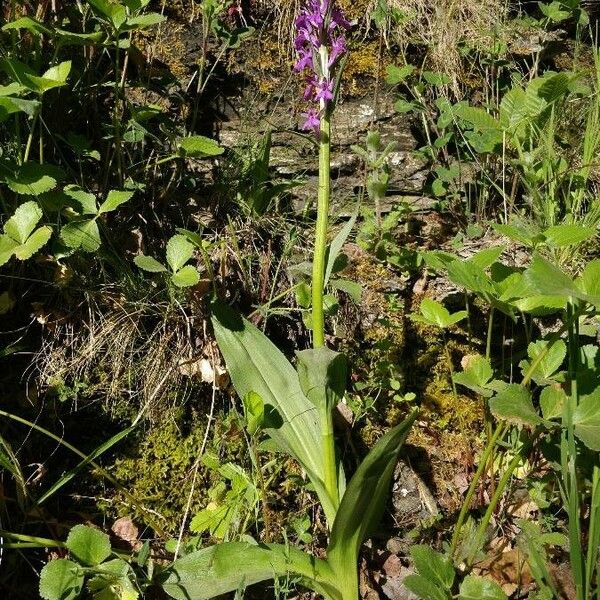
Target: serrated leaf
x,y
179,251
24,221
478,588
114,199
37,240
198,146
548,280
552,357
147,263
589,281
81,233
514,232
7,248
33,179
568,235
423,588
476,376
81,201
186,277
434,566
552,399
88,545
586,418
61,579
514,404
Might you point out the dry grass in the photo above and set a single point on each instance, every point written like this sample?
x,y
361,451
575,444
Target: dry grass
x,y
133,357
440,27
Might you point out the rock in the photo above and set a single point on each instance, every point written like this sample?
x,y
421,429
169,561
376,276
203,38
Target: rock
x,y
411,499
395,572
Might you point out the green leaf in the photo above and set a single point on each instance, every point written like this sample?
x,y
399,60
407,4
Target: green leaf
x,y
33,179
552,357
9,106
179,251
487,257
304,295
256,365
322,374
115,13
514,404
147,263
396,75
552,399
353,289
568,235
198,146
586,418
480,119
81,233
54,77
186,277
35,242
114,200
231,566
7,248
434,566
254,409
433,313
31,25
477,588
336,246
589,281
88,545
424,589
143,21
549,280
83,202
61,579
58,73
476,376
20,226
364,501
514,232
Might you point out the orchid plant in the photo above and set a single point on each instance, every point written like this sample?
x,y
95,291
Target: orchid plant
x,y
294,405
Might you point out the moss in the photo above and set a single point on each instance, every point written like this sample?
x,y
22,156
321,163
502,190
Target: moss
x,y
158,469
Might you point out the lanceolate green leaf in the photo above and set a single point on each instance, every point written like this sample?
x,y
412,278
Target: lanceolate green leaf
x,y
363,503
256,365
228,567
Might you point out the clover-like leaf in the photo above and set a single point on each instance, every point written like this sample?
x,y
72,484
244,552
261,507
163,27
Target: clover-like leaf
x,y
34,242
114,200
179,251
61,579
586,418
147,263
186,277
33,179
545,359
476,375
88,545
20,226
514,404
81,201
83,234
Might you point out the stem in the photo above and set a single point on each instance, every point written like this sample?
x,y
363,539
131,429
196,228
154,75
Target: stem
x,y
481,529
266,511
318,274
329,460
498,433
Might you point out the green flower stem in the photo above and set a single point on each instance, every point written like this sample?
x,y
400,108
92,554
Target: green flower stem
x,y
318,285
318,274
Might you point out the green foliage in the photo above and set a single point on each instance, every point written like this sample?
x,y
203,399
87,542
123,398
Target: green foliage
x,y
89,546
179,251
435,314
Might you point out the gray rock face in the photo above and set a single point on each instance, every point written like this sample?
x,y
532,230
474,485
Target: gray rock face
x,y
295,156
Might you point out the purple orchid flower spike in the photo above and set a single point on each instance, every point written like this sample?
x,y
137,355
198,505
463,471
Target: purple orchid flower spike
x,y
320,45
